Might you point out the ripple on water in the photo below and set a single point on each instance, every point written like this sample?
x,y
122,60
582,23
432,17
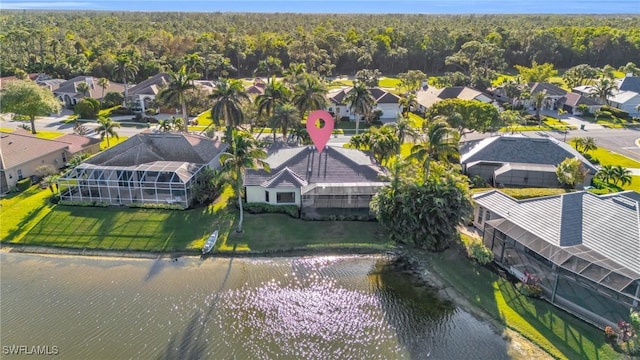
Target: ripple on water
x,y
347,307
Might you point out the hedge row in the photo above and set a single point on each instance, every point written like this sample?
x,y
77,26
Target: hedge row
x,y
156,206
261,208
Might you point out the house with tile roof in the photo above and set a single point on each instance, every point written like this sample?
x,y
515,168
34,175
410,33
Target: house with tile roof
x,y
22,153
571,101
553,95
151,167
386,102
426,97
520,161
582,249
336,179
68,93
80,144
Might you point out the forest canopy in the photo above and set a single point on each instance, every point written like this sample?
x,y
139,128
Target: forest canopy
x,y
67,44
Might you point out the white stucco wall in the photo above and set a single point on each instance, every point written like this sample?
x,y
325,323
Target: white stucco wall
x,y
389,111
256,194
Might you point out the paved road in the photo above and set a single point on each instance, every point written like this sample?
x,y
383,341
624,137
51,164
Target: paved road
x,y
622,141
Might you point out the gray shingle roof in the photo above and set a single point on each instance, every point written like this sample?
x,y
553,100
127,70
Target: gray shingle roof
x,y
305,164
149,86
574,99
606,224
522,149
551,89
19,148
630,83
77,142
150,146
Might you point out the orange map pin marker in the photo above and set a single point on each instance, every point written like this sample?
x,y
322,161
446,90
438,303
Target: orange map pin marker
x,y
320,134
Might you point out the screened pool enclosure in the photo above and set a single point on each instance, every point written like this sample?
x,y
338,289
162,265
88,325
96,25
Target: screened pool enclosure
x,y
160,182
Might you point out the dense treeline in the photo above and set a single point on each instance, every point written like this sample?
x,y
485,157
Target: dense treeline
x,y
73,43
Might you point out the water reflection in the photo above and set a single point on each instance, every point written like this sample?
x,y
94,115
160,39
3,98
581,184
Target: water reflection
x,y
351,307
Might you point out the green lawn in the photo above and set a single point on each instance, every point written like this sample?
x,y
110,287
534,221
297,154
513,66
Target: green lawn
x,y
388,82
112,141
607,157
560,334
548,123
204,119
39,133
28,219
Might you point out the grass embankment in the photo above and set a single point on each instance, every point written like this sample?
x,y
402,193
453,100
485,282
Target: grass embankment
x,y
29,219
608,157
560,334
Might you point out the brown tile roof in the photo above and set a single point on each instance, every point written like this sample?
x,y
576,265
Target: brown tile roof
x,y
19,148
149,86
77,143
574,99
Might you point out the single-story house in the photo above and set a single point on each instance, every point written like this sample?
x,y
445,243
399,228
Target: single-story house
x,y
426,97
385,101
519,161
80,144
150,167
582,249
625,100
142,94
337,179
22,153
571,101
68,92
552,99
629,83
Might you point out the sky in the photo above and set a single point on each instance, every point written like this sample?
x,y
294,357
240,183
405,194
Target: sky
x,y
342,6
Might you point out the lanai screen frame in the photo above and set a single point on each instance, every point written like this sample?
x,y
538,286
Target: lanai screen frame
x,y
579,260
170,183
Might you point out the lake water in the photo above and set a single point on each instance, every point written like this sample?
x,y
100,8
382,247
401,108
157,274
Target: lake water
x,y
347,307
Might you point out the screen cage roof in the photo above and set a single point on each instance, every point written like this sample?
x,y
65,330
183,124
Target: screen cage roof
x,y
578,259
166,171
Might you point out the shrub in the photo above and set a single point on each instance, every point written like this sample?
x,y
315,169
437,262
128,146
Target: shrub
x,y
478,182
45,170
87,108
529,290
112,99
121,111
615,112
54,199
480,253
23,184
609,333
156,206
85,203
262,208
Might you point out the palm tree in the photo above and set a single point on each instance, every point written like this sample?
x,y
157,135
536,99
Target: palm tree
x,y
175,93
294,73
408,102
439,144
603,89
271,66
360,101
164,125
285,116
538,99
244,153
107,128
275,93
606,173
403,129
124,69
83,87
585,144
194,63
103,83
227,104
309,94
383,143
621,175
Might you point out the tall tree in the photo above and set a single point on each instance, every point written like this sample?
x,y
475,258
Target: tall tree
x,y
285,117
360,101
107,128
227,104
176,91
124,69
103,83
244,153
27,98
275,93
294,74
538,100
621,175
579,75
630,68
83,87
309,94
271,66
440,143
603,89
537,72
194,64
369,77
465,115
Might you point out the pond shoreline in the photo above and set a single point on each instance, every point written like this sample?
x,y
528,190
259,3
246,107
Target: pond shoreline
x,y
411,262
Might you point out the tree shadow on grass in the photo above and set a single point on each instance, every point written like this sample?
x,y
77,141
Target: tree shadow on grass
x,y
15,232
542,315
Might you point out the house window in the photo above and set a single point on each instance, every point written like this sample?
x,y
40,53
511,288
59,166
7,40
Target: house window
x,y
487,216
20,177
286,197
480,215
64,158
266,196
